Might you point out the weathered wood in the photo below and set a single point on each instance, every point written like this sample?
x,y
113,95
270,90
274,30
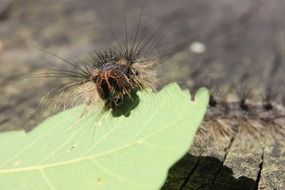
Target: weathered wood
x,y
180,173
211,158
244,158
211,165
273,166
272,175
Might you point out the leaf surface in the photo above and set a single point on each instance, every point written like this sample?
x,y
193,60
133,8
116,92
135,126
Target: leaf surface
x,y
98,151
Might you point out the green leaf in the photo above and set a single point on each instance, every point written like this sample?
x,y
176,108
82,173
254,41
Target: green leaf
x,y
98,151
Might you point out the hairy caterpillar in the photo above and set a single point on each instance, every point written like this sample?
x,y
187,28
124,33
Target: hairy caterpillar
x,y
110,75
184,66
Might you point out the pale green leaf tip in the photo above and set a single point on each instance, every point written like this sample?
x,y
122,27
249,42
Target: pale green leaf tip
x,y
202,95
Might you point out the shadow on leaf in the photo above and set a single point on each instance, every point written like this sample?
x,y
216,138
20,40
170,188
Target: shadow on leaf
x,y
128,104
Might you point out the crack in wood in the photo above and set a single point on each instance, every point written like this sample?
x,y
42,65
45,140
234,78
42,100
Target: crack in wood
x,y
259,172
190,173
222,163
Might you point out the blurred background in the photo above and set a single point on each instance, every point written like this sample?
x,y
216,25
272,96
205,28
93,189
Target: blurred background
x,y
224,43
233,47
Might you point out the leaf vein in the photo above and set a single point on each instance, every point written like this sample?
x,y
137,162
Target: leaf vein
x,y
3,171
47,180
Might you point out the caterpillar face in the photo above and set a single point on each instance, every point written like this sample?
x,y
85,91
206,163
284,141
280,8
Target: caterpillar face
x,y
110,75
114,81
